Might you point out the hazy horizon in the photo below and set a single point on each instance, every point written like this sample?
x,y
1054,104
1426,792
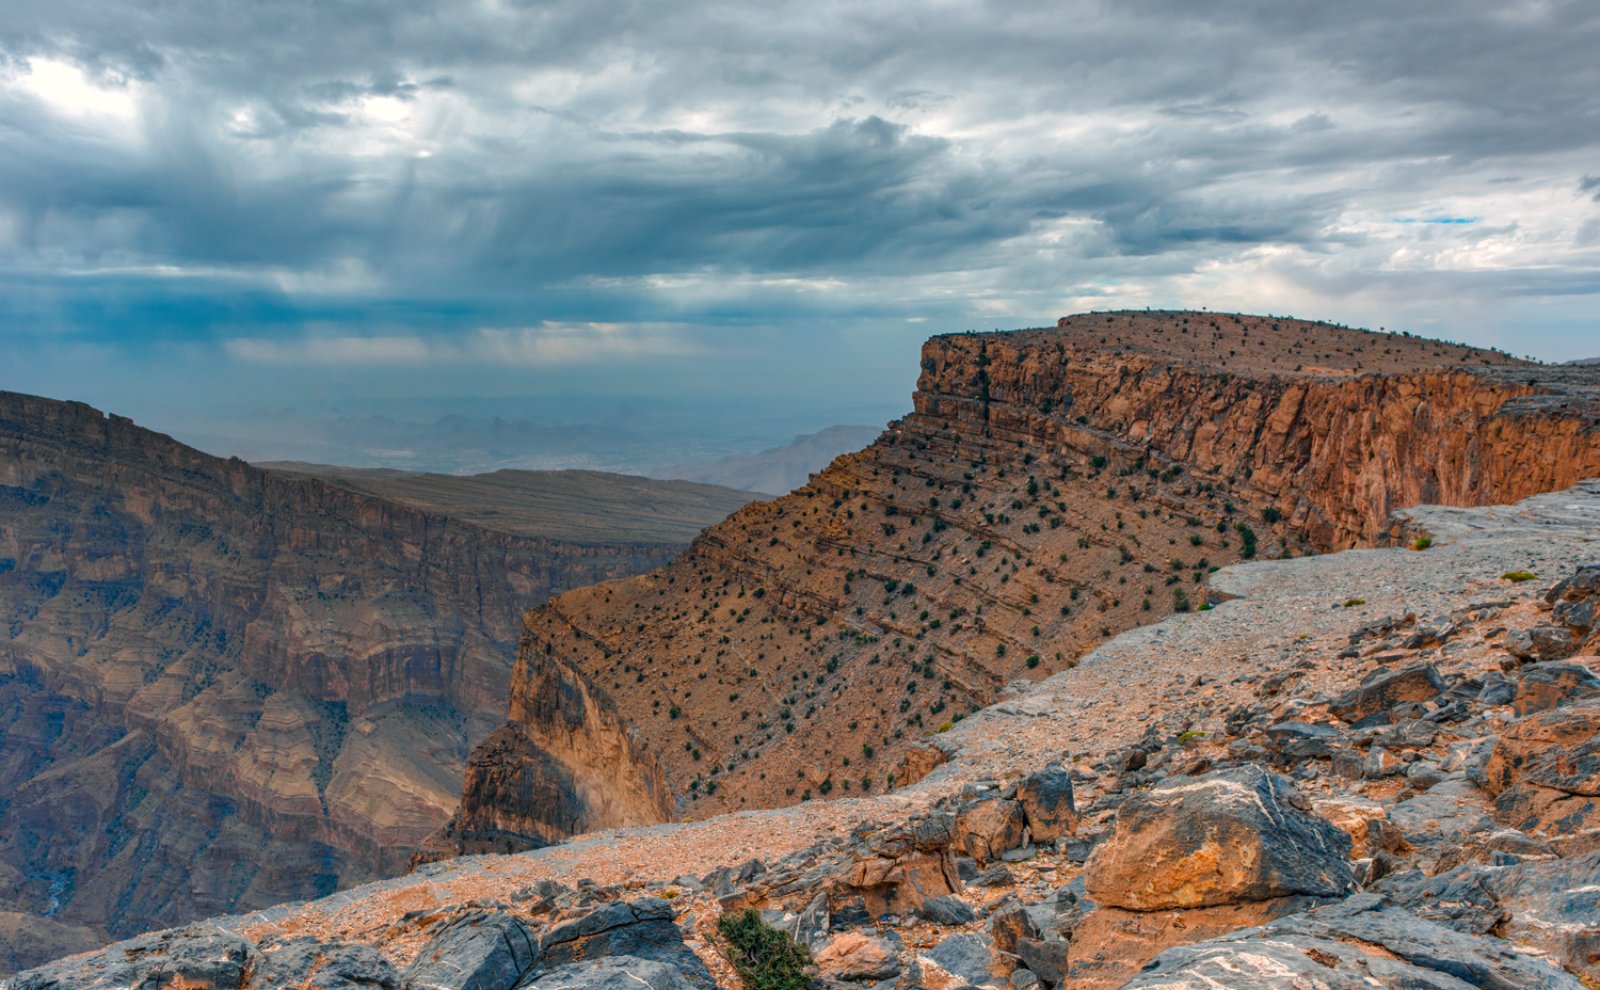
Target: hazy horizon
x,y
762,211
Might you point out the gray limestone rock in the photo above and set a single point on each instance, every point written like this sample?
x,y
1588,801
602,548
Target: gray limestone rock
x,y
306,964
610,973
1047,803
1384,689
201,954
477,951
641,929
1542,642
967,957
1361,943
947,910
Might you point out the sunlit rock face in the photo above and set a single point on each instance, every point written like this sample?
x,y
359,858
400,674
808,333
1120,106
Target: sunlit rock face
x,y
1051,488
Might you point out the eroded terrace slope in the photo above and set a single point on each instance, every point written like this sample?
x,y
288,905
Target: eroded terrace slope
x,y
1052,488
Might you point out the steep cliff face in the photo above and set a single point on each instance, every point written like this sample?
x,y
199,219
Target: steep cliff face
x,y
567,762
221,688
1336,447
1051,488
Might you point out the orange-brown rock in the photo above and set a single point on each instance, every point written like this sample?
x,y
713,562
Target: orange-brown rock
x,y
1050,488
568,763
853,956
1231,836
1112,944
1544,771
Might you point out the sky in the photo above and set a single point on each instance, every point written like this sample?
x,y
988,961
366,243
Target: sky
x,y
255,209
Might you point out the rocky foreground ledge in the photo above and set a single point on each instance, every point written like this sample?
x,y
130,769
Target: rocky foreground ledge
x,y
1375,769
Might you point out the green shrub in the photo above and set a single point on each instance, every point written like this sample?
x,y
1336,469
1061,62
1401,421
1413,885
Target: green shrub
x,y
1518,576
1422,543
765,958
1353,602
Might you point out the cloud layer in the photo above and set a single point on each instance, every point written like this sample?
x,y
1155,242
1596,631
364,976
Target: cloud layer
x,y
579,183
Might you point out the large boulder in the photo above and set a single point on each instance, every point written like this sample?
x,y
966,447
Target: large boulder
x,y
1554,906
306,964
854,957
1575,602
200,956
482,950
1047,804
610,973
1361,943
989,829
1544,772
971,959
1544,686
642,929
1242,834
1383,689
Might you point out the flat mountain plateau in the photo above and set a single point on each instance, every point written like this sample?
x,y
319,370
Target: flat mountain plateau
x,y
1051,488
1369,769
224,688
589,507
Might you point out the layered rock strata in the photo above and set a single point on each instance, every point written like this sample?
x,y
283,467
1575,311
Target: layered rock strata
x,y
221,688
1052,488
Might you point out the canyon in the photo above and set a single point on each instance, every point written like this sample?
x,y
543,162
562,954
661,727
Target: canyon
x,y
1150,650
1052,488
224,687
1373,769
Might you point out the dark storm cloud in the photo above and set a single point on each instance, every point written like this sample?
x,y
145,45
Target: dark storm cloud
x,y
368,165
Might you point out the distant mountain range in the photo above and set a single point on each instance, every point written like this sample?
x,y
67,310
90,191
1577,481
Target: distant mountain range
x,y
653,438
779,469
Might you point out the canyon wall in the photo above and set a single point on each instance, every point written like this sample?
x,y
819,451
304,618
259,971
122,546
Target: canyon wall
x,y
221,688
1051,488
567,762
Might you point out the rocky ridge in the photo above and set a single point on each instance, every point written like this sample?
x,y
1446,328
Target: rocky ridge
x,y
1052,487
222,688
1369,769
